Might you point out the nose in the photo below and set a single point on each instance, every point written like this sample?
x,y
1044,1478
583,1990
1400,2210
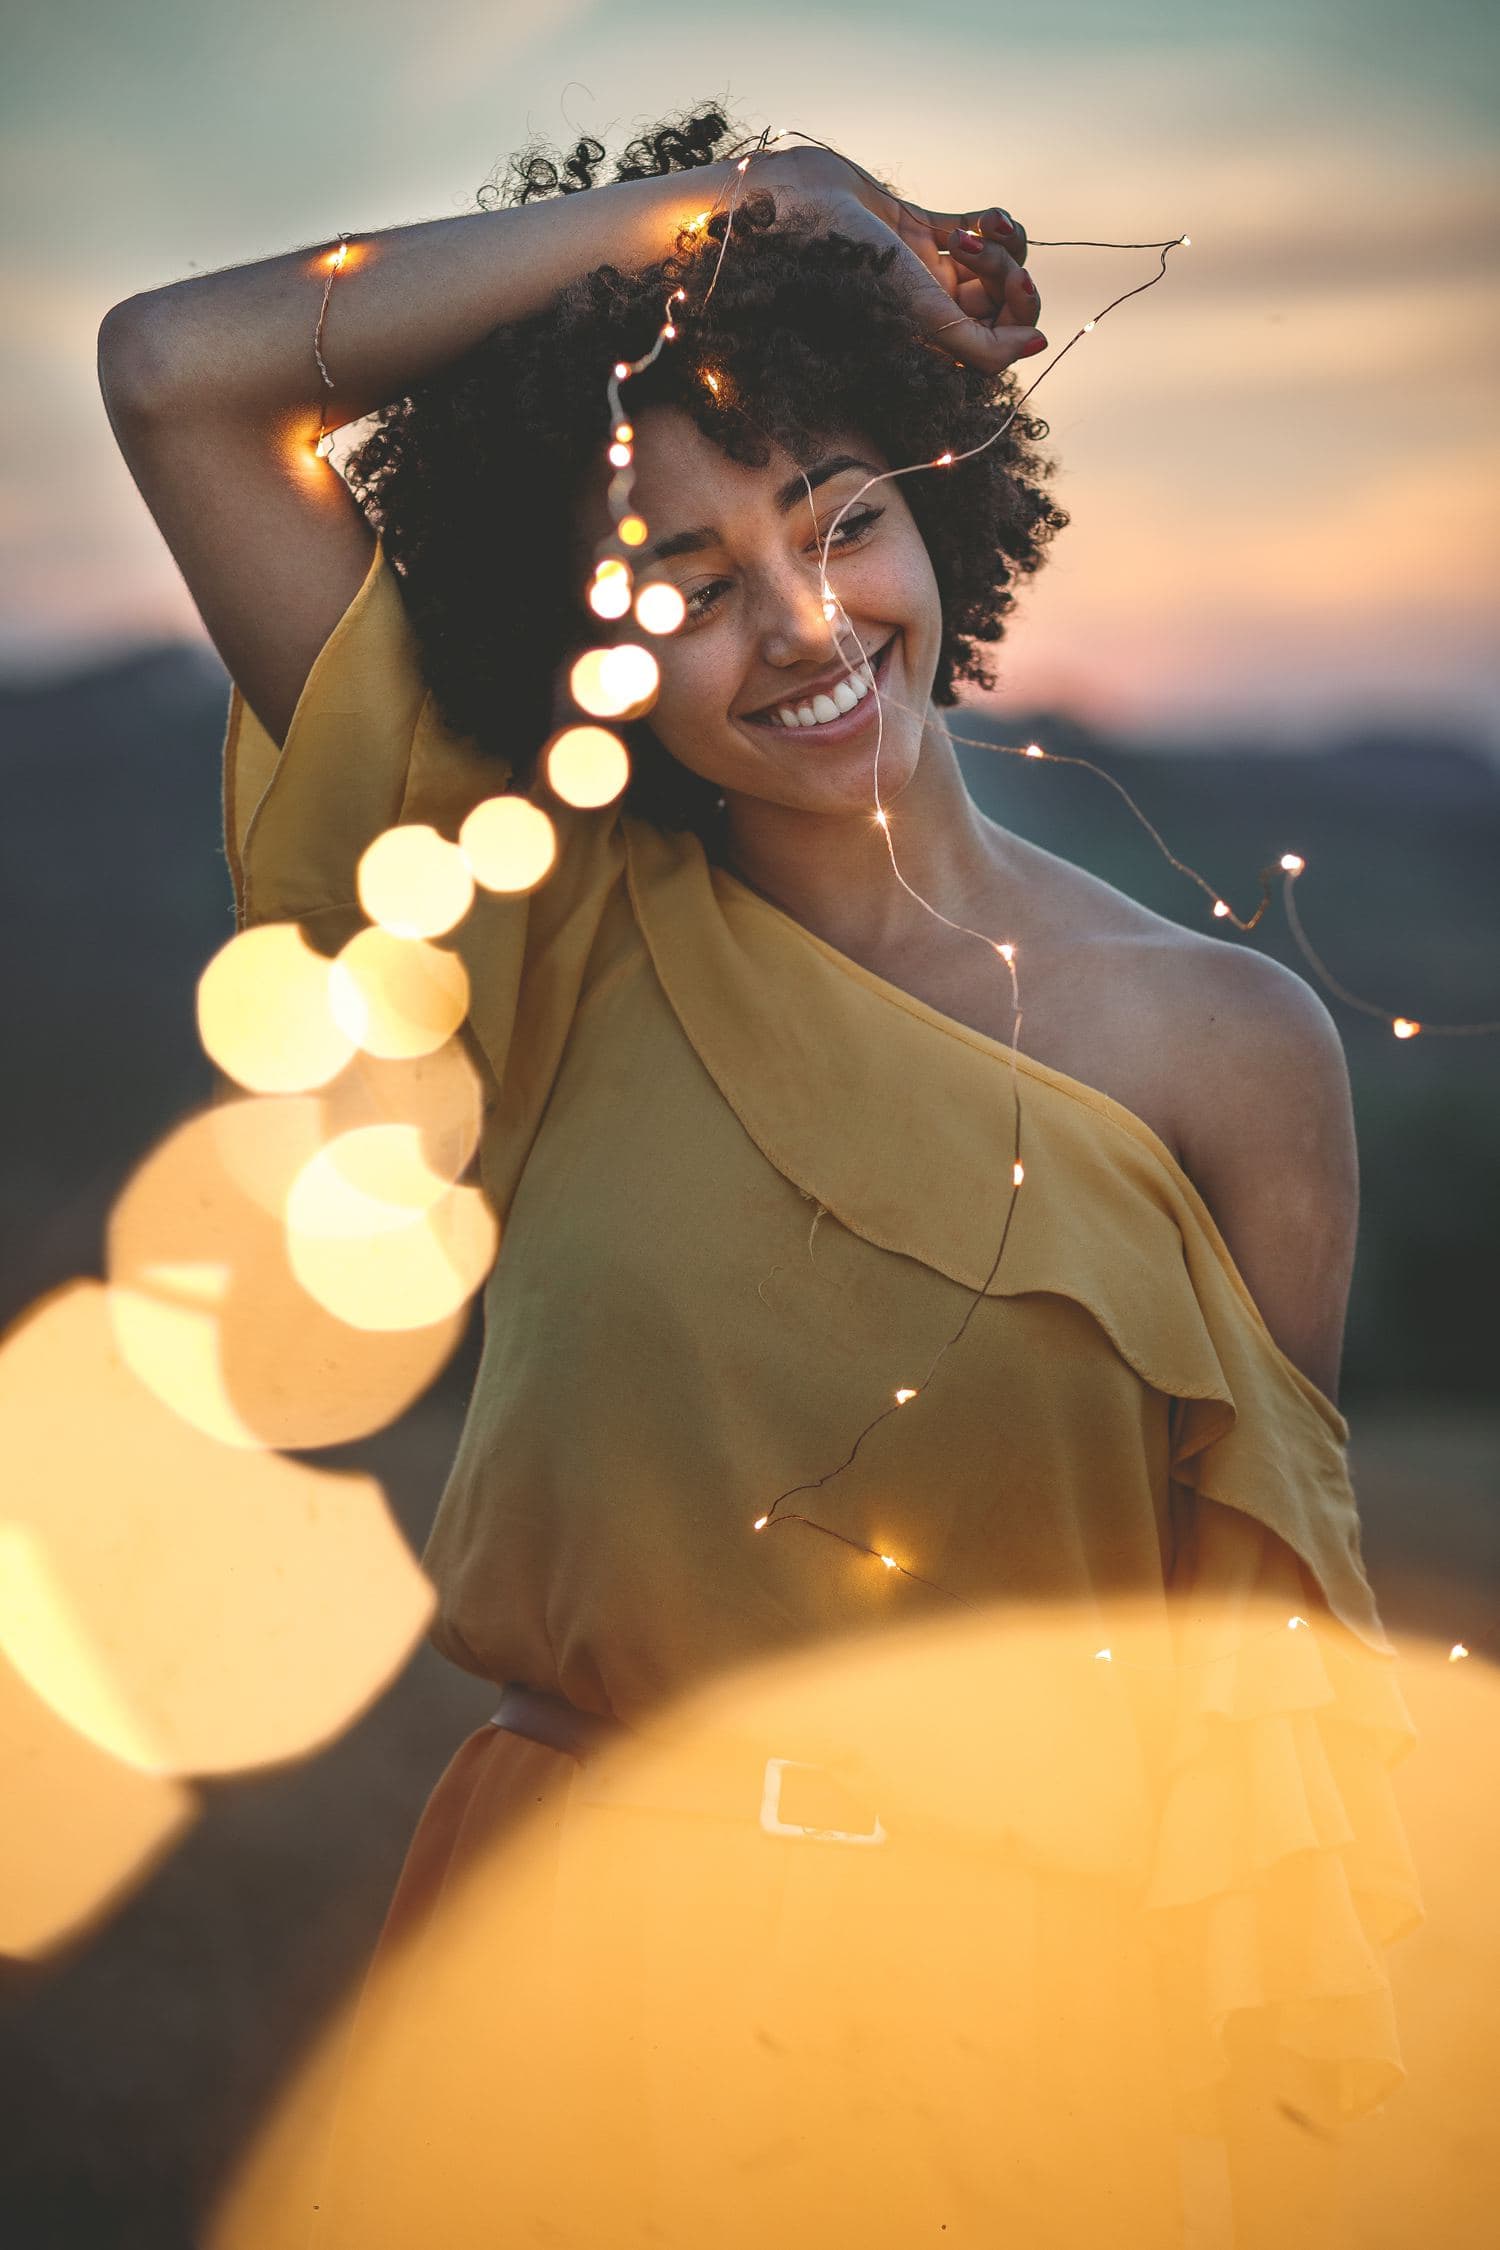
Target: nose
x,y
791,627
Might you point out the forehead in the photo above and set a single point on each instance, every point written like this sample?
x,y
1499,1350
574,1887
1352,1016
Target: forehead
x,y
682,477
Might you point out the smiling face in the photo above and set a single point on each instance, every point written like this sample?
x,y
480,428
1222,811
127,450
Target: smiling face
x,y
742,544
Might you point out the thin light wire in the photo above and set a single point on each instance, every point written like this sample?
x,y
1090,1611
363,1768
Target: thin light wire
x,y
335,268
1004,950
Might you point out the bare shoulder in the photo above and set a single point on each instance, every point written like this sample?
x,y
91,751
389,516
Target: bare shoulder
x,y
1252,1032
1208,1009
1241,1067
1266,1133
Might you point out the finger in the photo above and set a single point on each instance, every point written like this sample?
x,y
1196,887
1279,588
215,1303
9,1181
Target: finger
x,y
999,225
1005,281
973,298
985,343
977,337
1014,298
1006,230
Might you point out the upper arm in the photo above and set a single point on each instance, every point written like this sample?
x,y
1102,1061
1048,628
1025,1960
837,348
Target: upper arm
x,y
1269,1142
269,540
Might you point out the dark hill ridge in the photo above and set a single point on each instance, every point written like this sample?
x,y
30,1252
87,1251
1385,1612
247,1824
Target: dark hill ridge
x,y
114,892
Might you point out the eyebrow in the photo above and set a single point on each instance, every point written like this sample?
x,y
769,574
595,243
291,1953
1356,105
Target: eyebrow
x,y
704,535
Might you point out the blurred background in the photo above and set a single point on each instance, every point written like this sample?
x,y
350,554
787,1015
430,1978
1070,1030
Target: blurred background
x,y
1272,619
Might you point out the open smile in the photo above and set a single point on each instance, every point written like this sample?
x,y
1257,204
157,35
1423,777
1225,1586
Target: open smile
x,y
823,718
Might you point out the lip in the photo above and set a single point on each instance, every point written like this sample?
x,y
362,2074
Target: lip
x,y
847,722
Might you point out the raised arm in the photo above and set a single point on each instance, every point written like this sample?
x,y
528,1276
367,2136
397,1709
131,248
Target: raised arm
x,y
214,395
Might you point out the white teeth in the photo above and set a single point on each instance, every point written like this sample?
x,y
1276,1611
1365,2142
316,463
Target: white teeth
x,y
849,691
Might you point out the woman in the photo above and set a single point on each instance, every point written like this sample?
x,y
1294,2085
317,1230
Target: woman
x,y
753,1106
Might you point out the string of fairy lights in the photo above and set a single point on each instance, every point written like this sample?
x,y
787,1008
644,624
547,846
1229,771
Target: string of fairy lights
x,y
587,764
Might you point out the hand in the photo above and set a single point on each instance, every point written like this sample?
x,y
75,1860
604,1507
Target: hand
x,y
969,296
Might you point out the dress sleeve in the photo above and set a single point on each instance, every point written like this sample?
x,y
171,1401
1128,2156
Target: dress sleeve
x,y
364,750
367,749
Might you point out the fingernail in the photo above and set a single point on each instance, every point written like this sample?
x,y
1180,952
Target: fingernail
x,y
999,220
1027,282
1038,344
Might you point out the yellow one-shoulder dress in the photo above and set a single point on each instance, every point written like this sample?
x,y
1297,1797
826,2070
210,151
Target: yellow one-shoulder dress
x,y
746,1189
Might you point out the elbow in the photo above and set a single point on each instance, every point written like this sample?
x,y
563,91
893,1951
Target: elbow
x,y
130,358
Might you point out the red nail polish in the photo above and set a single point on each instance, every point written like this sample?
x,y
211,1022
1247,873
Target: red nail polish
x,y
1038,344
1027,282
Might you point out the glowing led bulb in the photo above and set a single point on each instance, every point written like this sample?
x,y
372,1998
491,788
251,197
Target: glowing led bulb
x,y
943,461
1187,241
1105,1654
761,1522
340,254
324,445
1006,951
509,843
413,882
881,821
669,330
622,368
1088,327
1035,750
712,381
632,530
624,432
609,595
830,609
612,683
1293,1622
1404,1028
619,455
1220,908
1456,1652
1292,863
742,164
678,297
1017,1173
587,766
660,608
889,1561
903,1396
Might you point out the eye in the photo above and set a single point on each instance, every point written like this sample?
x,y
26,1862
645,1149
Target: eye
x,y
853,528
850,533
701,601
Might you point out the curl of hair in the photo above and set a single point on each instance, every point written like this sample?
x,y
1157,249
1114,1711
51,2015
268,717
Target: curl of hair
x,y
474,479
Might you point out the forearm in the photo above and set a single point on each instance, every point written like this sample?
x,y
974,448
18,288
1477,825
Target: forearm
x,y
409,300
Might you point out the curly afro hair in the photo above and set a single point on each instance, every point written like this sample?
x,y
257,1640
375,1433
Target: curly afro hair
x,y
473,481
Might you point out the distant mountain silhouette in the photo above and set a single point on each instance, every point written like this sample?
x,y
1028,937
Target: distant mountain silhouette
x,y
114,893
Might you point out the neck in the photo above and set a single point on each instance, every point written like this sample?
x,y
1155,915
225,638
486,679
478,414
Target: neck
x,y
832,871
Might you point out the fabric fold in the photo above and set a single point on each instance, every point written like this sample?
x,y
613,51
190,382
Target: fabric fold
x,y
1103,1200
669,1057
366,750
1281,1865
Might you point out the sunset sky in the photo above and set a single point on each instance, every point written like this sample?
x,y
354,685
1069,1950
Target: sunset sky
x,y
1281,463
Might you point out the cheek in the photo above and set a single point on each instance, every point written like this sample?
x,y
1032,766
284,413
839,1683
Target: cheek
x,y
919,586
699,676
889,582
